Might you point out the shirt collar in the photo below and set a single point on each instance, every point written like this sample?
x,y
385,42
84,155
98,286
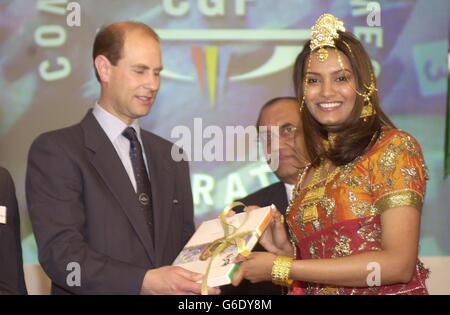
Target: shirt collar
x,y
111,124
289,189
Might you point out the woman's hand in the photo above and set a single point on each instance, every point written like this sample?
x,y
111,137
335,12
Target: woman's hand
x,y
256,268
275,238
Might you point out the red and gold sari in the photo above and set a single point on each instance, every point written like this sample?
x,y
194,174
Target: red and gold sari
x,y
347,221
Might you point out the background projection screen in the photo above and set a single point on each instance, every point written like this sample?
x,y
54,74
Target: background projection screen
x,y
222,60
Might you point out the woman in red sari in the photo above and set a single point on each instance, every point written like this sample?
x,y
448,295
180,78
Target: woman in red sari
x,y
355,213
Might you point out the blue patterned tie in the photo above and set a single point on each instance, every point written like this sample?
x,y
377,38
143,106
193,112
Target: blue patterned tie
x,y
143,188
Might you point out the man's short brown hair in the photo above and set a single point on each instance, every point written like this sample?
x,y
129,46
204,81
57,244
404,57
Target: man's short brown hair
x,y
110,39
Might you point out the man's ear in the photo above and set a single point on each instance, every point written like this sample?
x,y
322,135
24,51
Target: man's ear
x,y
103,67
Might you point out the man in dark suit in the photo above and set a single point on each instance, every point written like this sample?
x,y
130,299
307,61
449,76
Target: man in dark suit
x,y
281,112
110,207
11,267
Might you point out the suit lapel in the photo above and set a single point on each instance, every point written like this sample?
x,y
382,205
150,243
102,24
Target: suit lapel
x,y
108,164
162,182
281,197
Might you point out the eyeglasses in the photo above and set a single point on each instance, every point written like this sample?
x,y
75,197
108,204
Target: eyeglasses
x,y
285,132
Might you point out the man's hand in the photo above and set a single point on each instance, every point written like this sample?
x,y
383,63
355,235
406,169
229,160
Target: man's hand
x,y
173,280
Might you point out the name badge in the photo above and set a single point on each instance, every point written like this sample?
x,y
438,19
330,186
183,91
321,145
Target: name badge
x,y
2,215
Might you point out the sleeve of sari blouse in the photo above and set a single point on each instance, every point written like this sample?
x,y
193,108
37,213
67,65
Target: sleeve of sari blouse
x,y
398,175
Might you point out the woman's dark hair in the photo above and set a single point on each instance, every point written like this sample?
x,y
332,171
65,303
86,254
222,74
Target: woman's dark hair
x,y
354,136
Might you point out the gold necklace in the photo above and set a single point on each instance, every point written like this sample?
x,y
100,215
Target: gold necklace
x,y
315,194
330,142
316,191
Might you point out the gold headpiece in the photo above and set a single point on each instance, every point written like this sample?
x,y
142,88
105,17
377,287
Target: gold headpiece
x,y
324,32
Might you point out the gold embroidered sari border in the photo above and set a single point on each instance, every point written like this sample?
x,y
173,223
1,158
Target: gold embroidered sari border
x,y
399,198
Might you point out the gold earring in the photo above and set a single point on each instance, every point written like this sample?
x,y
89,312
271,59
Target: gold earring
x,y
302,103
367,111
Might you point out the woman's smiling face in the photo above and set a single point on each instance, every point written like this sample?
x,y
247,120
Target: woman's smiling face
x,y
330,90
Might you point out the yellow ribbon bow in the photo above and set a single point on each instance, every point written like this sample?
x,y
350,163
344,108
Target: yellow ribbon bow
x,y
232,237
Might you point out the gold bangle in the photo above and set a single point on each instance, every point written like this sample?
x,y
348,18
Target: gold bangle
x,y
281,269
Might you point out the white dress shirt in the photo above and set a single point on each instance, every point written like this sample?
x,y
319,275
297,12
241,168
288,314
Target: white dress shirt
x,y
289,189
113,127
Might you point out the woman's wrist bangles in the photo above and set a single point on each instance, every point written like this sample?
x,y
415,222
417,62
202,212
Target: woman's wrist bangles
x,y
281,269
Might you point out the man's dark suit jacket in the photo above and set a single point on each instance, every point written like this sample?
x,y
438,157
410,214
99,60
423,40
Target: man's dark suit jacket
x,y
11,266
273,194
84,210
